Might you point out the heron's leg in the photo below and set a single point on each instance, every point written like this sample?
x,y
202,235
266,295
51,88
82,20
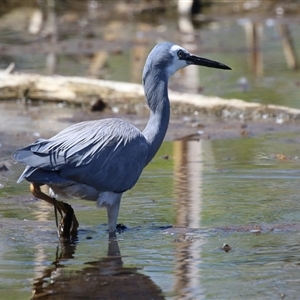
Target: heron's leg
x,y
69,223
35,189
112,214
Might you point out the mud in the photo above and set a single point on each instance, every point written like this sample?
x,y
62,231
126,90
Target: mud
x,y
187,127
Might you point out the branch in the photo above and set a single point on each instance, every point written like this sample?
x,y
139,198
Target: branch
x,y
86,91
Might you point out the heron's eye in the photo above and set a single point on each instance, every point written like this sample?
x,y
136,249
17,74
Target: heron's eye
x,y
181,54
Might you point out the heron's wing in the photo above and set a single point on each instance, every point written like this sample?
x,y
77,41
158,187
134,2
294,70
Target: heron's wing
x,y
106,154
77,145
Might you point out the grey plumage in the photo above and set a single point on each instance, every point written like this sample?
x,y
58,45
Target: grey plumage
x,y
99,160
88,153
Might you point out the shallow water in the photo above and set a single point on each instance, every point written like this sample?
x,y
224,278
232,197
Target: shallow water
x,y
191,199
242,192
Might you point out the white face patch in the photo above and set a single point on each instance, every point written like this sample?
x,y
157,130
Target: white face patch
x,y
177,63
175,48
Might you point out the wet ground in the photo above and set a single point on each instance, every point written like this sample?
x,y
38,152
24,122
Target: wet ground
x,y
215,215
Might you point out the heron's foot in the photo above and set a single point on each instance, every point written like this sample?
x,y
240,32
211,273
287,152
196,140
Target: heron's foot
x,y
67,228
120,227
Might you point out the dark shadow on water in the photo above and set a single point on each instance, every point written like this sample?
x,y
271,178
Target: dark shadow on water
x,y
106,278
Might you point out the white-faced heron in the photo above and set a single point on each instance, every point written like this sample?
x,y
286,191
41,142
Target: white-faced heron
x,y
100,160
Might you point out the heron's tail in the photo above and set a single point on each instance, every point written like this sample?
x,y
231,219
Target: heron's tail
x,y
27,172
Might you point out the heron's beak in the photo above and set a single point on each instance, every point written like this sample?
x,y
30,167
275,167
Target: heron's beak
x,y
200,61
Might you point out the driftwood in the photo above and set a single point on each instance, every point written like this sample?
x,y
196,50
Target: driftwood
x,y
86,91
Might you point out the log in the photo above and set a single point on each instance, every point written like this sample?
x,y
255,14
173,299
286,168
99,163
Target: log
x,y
86,91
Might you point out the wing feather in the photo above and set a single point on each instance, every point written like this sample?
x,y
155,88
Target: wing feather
x,y
107,154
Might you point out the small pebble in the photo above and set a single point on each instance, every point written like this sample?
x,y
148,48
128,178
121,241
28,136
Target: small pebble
x,y
99,105
226,247
3,167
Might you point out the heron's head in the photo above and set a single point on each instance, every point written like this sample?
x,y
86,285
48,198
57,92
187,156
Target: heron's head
x,y
182,58
169,58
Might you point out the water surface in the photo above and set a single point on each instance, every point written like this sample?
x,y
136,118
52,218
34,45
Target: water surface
x,y
191,199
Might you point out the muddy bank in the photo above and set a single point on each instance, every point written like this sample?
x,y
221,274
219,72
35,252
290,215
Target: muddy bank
x,y
182,126
191,126
63,101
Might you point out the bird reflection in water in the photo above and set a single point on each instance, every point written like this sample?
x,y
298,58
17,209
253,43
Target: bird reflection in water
x,y
106,278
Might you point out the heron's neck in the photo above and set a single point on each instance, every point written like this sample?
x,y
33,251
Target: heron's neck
x,y
157,96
